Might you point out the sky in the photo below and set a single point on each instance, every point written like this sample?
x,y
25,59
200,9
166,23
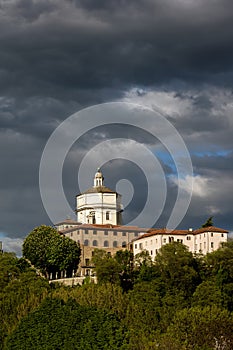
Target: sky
x,y
58,57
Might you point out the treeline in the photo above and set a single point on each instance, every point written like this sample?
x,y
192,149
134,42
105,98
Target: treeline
x,y
178,302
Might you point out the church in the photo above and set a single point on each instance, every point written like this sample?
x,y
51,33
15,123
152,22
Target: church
x,y
99,226
99,223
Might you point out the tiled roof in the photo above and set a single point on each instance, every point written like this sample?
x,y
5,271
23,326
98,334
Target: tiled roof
x,y
98,189
210,229
68,222
162,231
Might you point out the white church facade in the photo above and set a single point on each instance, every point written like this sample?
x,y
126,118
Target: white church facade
x,y
99,226
99,204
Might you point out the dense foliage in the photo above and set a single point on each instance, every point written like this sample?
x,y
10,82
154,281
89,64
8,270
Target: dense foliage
x,y
178,302
49,251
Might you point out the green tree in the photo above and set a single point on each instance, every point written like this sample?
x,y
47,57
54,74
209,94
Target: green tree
x,y
106,267
205,328
64,326
47,250
209,222
177,268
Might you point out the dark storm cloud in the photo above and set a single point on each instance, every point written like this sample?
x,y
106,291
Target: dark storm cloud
x,y
71,45
59,56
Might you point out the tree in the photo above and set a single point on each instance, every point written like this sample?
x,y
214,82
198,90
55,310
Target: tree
x,y
67,325
47,250
106,267
177,268
203,328
209,222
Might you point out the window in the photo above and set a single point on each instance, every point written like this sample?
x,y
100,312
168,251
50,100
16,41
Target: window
x,y
114,233
140,246
94,232
87,262
71,234
135,246
107,215
114,244
180,240
200,246
164,240
123,233
86,232
135,234
204,245
95,243
86,242
156,251
171,239
212,245
106,244
105,233
222,235
188,238
151,252
211,234
123,244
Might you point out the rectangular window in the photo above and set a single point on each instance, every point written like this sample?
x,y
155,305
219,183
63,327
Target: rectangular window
x,y
87,262
188,238
135,246
106,233
140,245
200,246
107,215
94,232
151,252
114,233
204,245
222,235
212,245
123,233
135,234
211,234
164,240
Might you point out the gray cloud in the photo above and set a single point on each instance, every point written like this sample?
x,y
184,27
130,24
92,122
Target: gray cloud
x,y
59,56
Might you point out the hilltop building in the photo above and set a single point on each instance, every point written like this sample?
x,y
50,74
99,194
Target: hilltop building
x,y
99,204
99,225
204,240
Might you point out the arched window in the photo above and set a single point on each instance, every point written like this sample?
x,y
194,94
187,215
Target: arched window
x,y
123,244
114,244
95,243
86,242
106,244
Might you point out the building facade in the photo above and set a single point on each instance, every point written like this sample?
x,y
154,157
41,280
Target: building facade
x,y
203,241
99,204
99,226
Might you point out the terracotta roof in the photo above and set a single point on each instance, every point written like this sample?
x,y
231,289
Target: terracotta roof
x,y
68,222
210,229
153,232
98,189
